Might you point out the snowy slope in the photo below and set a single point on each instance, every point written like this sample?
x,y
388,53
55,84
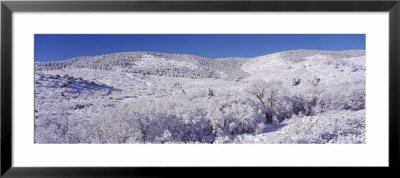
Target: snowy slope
x,y
312,64
333,127
160,64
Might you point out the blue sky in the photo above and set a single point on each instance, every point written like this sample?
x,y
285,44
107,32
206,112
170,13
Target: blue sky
x,y
61,47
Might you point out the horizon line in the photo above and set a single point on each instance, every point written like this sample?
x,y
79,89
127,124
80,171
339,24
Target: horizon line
x,y
202,56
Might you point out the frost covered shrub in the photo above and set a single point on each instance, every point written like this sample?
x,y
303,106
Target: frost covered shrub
x,y
54,129
356,99
298,105
122,125
314,97
234,116
240,118
347,96
210,92
148,123
111,126
296,81
194,125
283,108
329,127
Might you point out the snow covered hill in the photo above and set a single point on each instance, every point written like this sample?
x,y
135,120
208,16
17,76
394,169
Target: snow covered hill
x,y
160,64
305,65
148,97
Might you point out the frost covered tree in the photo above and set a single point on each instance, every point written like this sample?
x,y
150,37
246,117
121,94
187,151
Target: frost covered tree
x,y
210,92
312,94
267,94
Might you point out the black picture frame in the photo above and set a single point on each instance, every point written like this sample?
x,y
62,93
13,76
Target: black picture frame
x,y
8,7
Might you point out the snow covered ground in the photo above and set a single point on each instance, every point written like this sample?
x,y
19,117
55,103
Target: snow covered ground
x,y
300,96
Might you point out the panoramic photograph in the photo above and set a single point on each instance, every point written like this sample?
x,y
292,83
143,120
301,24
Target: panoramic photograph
x,y
199,89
